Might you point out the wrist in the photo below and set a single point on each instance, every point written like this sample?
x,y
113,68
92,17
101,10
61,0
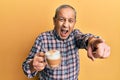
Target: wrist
x,y
93,42
31,66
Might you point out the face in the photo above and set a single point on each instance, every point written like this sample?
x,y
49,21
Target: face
x,y
64,23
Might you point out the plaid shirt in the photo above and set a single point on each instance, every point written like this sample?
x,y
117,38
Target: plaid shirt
x,y
69,68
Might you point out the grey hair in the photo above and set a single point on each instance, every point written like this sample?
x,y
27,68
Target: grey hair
x,y
64,6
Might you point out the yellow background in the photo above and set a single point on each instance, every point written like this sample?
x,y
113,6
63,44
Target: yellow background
x,y
22,20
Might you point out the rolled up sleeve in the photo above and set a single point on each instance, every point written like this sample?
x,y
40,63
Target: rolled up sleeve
x,y
82,39
26,69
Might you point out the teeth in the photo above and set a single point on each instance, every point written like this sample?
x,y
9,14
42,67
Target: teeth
x,y
64,31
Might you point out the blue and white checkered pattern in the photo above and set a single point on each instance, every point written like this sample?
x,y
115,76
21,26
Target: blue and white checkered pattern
x,y
69,67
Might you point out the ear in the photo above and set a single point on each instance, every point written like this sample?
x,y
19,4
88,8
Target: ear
x,y
54,20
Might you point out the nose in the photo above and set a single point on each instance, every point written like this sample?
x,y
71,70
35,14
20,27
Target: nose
x,y
66,24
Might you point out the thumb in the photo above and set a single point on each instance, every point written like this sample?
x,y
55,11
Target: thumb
x,y
41,54
89,53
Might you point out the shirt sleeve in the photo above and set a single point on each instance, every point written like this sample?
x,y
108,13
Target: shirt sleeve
x,y
82,39
25,66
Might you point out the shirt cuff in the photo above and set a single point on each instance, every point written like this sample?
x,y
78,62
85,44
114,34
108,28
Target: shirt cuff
x,y
27,71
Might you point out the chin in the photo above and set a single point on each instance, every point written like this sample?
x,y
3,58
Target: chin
x,y
63,37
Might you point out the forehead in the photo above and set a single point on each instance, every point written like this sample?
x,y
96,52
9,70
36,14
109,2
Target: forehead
x,y
67,13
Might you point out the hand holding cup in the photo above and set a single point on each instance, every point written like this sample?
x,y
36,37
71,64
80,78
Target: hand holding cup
x,y
39,61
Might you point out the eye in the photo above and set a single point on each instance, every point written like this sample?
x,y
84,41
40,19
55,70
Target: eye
x,y
71,20
61,19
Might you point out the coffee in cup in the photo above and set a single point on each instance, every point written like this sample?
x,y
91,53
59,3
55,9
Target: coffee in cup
x,y
53,58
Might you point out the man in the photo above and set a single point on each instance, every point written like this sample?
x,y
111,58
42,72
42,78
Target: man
x,y
67,40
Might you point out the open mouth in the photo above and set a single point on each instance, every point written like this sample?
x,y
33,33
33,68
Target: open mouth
x,y
64,33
